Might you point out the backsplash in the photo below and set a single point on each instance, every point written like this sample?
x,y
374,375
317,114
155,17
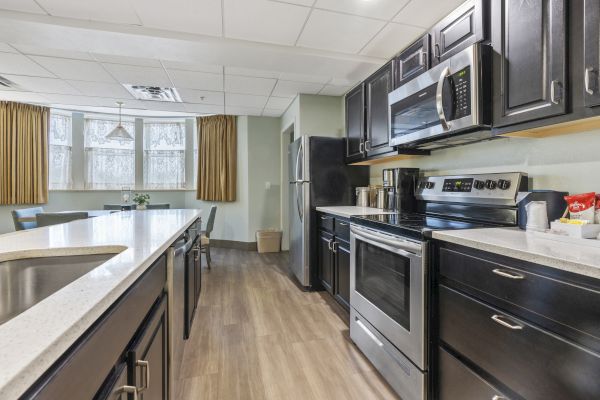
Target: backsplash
x,y
569,162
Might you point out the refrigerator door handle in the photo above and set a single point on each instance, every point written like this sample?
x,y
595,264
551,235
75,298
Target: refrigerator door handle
x,y
300,213
298,162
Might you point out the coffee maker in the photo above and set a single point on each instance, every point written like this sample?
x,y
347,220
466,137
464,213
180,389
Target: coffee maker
x,y
399,186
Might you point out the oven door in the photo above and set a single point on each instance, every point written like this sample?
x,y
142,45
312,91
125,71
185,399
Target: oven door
x,y
387,287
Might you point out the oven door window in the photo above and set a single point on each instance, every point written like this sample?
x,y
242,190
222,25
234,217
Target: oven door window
x,y
383,278
414,113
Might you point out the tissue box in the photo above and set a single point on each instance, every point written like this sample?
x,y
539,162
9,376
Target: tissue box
x,y
589,231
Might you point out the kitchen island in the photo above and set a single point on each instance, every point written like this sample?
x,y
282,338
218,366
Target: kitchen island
x,y
33,341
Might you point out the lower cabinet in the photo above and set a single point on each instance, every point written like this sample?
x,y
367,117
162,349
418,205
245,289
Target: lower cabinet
x,y
342,272
193,281
326,260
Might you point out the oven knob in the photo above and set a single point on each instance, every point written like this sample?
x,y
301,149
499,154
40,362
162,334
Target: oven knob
x,y
479,185
490,184
429,185
503,184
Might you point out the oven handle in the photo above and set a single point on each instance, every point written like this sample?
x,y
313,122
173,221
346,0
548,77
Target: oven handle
x,y
439,96
393,241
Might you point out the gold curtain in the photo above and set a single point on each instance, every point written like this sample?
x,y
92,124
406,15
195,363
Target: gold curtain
x,y
23,153
217,158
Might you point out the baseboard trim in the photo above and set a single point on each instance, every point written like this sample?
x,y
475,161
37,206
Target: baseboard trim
x,y
232,244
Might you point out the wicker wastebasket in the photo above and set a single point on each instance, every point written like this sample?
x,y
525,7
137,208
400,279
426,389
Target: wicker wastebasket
x,y
268,240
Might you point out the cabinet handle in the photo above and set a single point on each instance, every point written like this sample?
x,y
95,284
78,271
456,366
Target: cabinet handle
x,y
334,247
553,92
367,145
497,397
329,245
586,78
325,218
343,224
361,148
436,51
129,390
507,274
424,58
501,320
197,252
145,367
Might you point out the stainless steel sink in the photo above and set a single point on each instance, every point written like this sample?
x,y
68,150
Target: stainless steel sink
x,y
24,283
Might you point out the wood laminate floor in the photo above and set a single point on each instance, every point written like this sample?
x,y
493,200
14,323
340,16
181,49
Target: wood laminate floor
x,y
257,336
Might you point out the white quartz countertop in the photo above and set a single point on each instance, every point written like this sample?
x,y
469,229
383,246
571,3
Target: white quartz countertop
x,y
512,242
32,341
349,211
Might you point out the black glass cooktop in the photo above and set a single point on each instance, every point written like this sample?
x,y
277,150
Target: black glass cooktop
x,y
417,226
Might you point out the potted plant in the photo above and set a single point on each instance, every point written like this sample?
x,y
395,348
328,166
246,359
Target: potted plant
x,y
141,200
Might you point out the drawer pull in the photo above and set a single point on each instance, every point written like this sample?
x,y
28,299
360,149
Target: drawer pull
x,y
326,218
369,333
501,319
507,274
145,367
343,224
496,397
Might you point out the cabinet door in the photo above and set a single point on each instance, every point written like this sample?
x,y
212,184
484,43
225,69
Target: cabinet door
x,y
529,61
592,52
197,271
412,62
326,260
190,292
342,273
118,388
148,360
378,86
355,124
459,30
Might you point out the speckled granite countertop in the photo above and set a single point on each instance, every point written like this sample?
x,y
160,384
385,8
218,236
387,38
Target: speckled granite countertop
x,y
513,242
32,341
349,211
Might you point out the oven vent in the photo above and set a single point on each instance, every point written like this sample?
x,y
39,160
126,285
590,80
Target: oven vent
x,y
154,93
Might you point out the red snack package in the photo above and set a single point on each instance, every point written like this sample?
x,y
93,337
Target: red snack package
x,y
597,220
582,206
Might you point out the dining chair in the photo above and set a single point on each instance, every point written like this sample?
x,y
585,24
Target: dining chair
x,y
25,218
158,206
47,219
205,235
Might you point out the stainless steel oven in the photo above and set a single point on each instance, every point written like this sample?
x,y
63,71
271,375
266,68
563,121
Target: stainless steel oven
x,y
447,105
388,306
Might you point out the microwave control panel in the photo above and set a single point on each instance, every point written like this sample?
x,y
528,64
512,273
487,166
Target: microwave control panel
x,y
461,82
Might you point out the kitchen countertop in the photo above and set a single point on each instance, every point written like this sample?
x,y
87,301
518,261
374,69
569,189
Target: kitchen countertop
x,y
33,340
349,211
516,243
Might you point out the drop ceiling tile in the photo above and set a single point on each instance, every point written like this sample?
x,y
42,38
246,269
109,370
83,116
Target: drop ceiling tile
x,y
338,32
306,3
393,38
101,89
136,75
82,100
291,89
345,81
248,85
264,21
163,106
201,17
196,80
245,100
6,48
21,65
304,78
115,11
28,6
204,109
267,112
201,96
258,73
42,85
426,14
279,103
382,9
333,90
40,51
141,62
74,69
243,111
25,97
213,69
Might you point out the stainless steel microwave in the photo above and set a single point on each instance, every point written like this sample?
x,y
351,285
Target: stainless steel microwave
x,y
448,105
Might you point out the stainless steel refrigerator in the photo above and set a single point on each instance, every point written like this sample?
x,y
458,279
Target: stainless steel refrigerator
x,y
319,176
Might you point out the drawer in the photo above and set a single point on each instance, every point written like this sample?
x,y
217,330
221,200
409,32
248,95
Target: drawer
x,y
342,229
457,381
544,300
326,221
533,363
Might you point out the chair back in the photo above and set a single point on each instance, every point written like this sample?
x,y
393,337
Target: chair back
x,y
47,219
210,223
158,206
25,213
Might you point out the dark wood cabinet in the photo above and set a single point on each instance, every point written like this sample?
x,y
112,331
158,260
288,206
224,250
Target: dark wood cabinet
x,y
463,27
377,87
355,124
591,50
412,61
326,260
190,291
529,63
342,272
117,387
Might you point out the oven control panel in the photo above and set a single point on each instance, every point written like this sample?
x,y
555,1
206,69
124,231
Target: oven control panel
x,y
501,188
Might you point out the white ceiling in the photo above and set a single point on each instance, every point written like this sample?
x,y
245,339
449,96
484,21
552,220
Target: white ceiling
x,y
245,57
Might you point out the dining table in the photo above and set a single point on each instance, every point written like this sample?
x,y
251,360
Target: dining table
x,y
91,214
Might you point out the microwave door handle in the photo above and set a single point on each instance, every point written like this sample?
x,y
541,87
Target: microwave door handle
x,y
439,96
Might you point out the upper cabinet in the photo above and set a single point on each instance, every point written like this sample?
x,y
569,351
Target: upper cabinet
x,y
529,41
412,61
459,30
591,50
378,86
355,124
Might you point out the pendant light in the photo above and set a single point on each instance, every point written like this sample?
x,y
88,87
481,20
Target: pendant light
x,y
119,133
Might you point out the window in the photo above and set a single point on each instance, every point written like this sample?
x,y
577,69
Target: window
x,y
59,152
109,164
164,155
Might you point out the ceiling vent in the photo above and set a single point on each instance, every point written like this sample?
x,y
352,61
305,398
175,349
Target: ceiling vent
x,y
154,93
6,83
